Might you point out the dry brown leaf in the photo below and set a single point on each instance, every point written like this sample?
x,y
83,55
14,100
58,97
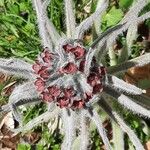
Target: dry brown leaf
x,y
32,138
7,90
3,78
135,74
6,139
147,146
139,73
128,78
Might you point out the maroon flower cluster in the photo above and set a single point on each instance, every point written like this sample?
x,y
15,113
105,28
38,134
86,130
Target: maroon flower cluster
x,y
62,96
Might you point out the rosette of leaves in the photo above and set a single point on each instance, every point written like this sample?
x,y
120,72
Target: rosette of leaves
x,y
71,79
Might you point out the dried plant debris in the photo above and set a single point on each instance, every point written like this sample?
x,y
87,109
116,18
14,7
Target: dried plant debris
x,y
70,78
6,139
139,76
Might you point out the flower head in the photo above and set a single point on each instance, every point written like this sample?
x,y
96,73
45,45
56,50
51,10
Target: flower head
x,y
63,95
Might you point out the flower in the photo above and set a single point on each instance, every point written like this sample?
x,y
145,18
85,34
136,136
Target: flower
x,y
65,97
40,84
70,68
71,79
78,51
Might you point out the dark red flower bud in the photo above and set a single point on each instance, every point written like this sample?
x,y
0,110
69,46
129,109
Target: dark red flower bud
x,y
92,79
44,72
97,88
88,96
40,84
69,92
48,54
63,102
78,104
78,52
48,57
81,104
54,91
36,67
70,68
47,60
47,96
82,65
68,48
102,70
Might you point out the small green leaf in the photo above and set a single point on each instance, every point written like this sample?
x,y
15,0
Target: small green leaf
x,y
14,31
23,147
125,3
14,9
2,3
23,6
135,124
40,147
113,16
29,27
17,53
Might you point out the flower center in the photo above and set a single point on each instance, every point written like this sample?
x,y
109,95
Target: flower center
x,y
64,81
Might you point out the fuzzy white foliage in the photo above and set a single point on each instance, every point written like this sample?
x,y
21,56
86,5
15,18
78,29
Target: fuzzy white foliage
x,y
130,133
5,108
95,117
87,23
132,16
68,119
16,114
144,17
135,10
136,62
128,20
45,117
112,56
70,18
127,102
131,36
54,35
17,67
88,63
87,88
84,132
23,92
41,19
98,20
101,40
122,86
142,99
115,117
131,19
13,108
50,29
